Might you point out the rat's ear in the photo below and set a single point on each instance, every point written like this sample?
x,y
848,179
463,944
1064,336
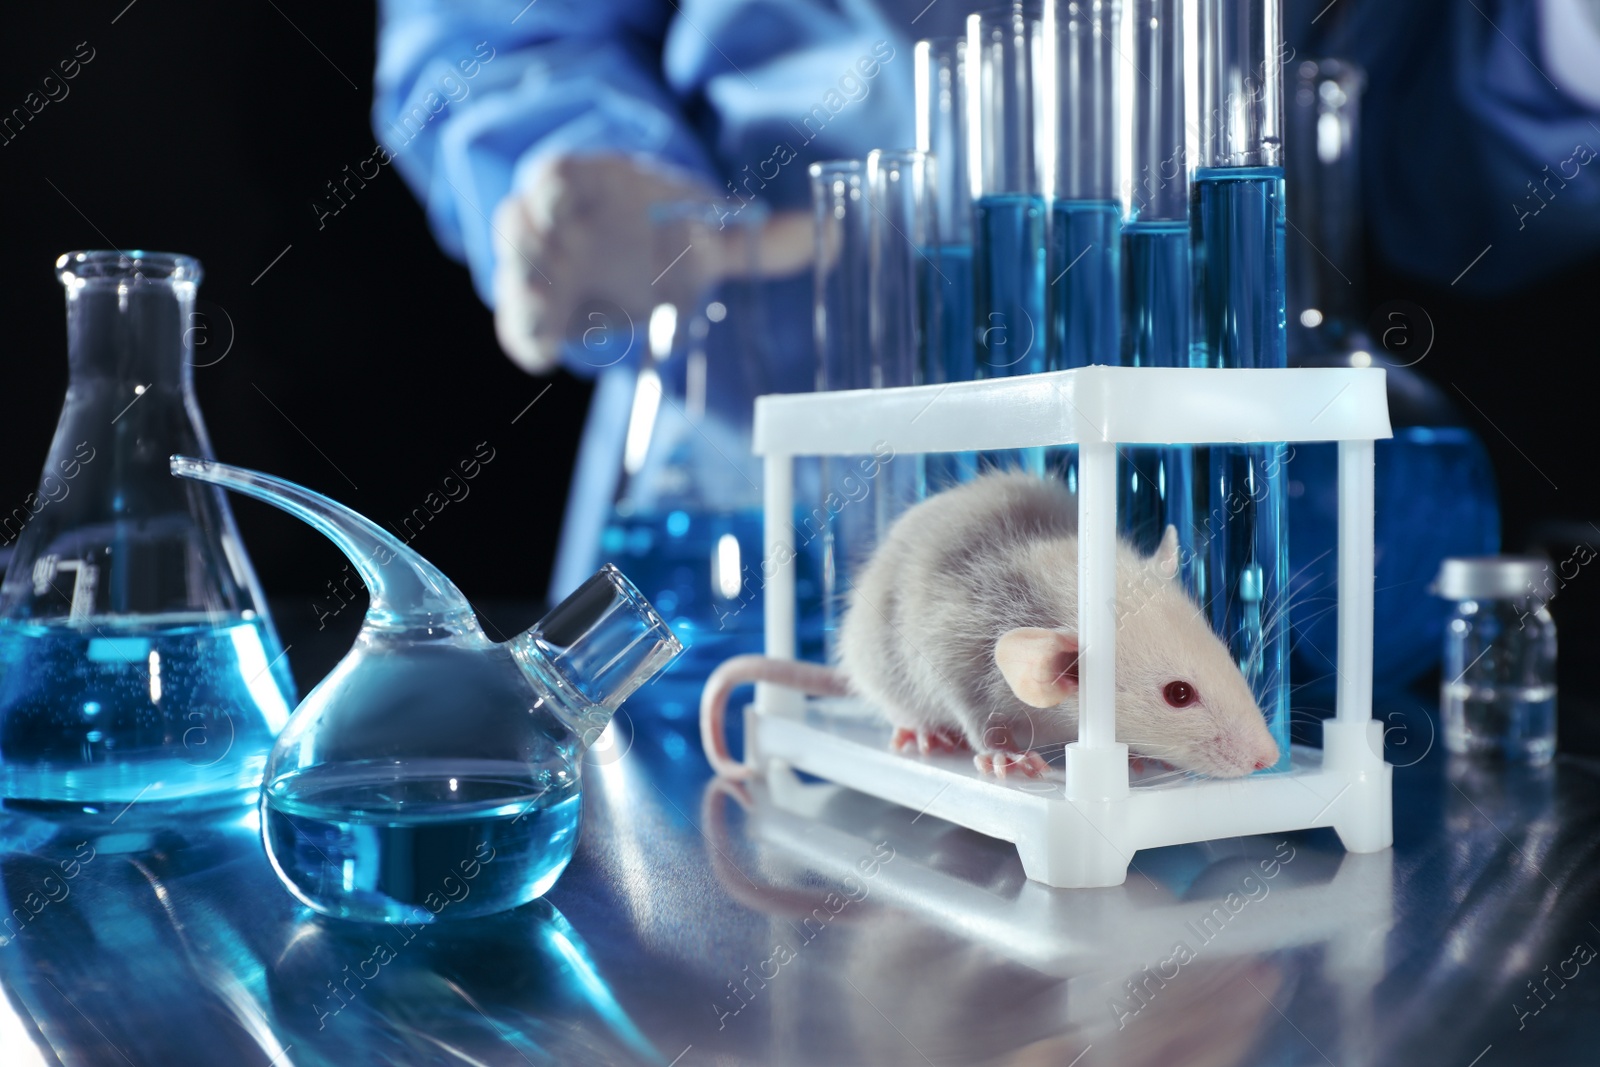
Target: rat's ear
x,y
1040,666
1165,559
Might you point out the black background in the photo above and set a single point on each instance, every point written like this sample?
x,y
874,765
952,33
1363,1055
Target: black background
x,y
363,365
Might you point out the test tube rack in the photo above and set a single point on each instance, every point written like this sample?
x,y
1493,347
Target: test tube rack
x,y
1081,827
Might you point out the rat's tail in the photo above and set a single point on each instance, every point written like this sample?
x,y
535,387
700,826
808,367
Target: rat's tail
x,y
811,678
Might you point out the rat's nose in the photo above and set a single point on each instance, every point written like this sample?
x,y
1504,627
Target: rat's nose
x,y
1262,764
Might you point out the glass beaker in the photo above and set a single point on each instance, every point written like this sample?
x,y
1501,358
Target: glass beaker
x,y
137,659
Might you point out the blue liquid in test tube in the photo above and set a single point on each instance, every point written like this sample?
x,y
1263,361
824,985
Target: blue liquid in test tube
x,y
1007,90
1157,486
1009,291
1156,483
1086,213
1236,217
1084,266
1009,297
941,91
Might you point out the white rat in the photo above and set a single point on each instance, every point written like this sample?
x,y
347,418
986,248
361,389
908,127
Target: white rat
x,y
962,631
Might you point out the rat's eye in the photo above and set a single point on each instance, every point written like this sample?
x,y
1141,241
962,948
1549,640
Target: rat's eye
x,y
1180,694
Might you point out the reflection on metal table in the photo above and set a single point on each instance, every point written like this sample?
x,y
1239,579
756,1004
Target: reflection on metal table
x,y
801,923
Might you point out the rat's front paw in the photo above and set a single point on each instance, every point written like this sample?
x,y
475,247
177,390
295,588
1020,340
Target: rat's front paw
x,y
1001,764
938,739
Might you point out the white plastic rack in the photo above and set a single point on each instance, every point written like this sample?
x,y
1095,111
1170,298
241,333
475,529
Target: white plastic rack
x,y
1080,827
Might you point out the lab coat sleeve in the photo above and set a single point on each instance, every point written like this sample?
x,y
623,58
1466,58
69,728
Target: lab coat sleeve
x,y
469,96
1480,165
741,93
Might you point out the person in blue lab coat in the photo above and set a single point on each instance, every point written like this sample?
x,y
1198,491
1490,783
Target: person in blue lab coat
x,y
538,172
538,168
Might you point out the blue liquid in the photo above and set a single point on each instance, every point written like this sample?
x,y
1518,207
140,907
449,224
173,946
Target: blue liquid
x,y
1009,325
452,841
1156,485
951,346
1244,543
950,353
1237,218
1237,233
1155,294
1085,249
1435,498
1085,274
703,573
175,710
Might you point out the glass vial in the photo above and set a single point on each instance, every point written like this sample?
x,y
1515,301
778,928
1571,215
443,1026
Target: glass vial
x,y
1497,690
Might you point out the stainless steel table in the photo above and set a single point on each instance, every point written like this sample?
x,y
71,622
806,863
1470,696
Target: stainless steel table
x,y
707,924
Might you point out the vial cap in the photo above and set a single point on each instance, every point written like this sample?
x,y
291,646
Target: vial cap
x,y
1492,577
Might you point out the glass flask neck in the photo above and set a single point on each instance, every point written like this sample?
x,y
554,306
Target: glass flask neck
x,y
130,318
109,532
593,650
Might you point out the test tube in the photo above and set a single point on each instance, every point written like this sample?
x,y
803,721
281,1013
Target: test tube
x,y
1237,229
1086,212
842,330
902,228
1323,134
1156,485
1008,123
840,326
940,70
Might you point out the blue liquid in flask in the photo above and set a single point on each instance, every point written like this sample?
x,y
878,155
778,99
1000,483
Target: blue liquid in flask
x,y
473,838
1237,220
1009,324
176,711
703,572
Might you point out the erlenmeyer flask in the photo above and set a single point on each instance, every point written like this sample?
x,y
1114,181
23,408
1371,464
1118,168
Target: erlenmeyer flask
x,y
685,523
137,660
